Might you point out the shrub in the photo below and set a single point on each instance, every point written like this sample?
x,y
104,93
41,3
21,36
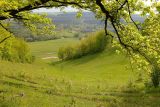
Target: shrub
x,y
16,50
93,43
155,76
61,53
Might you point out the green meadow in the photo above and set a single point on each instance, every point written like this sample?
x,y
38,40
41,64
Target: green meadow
x,y
99,80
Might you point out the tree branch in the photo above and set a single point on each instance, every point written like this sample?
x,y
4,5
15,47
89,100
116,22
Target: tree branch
x,y
129,11
122,5
41,4
4,39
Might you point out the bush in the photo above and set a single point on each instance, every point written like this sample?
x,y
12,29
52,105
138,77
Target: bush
x,y
16,50
93,43
155,76
66,53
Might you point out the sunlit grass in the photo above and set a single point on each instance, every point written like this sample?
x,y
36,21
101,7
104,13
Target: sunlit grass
x,y
92,81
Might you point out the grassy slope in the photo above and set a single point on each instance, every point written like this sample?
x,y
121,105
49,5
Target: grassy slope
x,y
92,81
49,48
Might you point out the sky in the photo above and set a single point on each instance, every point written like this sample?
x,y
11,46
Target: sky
x,y
67,9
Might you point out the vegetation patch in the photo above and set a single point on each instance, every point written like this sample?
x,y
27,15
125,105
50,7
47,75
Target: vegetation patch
x,y
93,43
16,50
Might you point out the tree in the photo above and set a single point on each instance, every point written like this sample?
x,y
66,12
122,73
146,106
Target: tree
x,y
134,38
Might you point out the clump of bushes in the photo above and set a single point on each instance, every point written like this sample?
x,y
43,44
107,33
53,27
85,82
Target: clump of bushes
x,y
93,43
16,50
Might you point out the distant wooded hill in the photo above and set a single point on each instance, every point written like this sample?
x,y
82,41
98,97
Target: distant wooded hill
x,y
67,25
86,23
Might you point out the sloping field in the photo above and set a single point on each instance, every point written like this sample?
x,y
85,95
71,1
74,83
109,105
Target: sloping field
x,y
99,80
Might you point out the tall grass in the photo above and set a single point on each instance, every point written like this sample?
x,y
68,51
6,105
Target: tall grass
x,y
93,43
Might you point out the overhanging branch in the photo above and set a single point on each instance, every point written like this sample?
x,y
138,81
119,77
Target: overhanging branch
x,y
42,4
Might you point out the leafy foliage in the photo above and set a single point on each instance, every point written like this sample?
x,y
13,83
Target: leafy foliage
x,y
95,42
143,47
16,50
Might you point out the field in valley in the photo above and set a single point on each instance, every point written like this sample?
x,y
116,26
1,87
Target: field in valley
x,y
99,80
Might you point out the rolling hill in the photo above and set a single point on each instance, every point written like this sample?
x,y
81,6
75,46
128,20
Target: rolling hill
x,y
99,80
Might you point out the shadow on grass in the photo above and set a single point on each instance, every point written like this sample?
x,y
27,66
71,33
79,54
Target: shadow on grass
x,y
78,61
20,79
139,98
17,85
86,58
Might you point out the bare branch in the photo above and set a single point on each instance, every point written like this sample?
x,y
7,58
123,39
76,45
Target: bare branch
x,y
98,2
106,24
4,39
122,5
129,11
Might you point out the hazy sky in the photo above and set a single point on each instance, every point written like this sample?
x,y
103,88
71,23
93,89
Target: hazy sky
x,y
67,9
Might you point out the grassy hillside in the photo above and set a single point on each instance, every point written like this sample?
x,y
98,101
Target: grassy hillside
x,y
50,48
99,80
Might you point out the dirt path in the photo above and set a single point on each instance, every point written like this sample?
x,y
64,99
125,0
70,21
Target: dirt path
x,y
51,57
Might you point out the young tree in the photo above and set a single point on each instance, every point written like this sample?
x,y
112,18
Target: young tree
x,y
132,37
